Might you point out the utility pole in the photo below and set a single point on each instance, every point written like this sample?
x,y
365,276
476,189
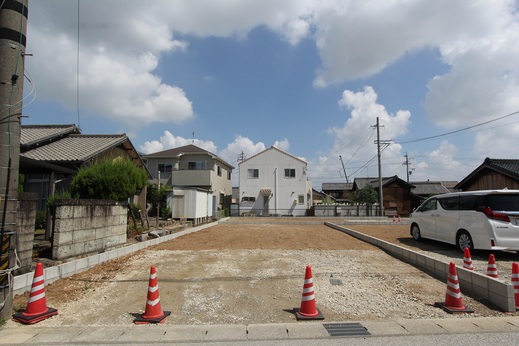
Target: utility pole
x,y
381,192
13,28
344,169
407,164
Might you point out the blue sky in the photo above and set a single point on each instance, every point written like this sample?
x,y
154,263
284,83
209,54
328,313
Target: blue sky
x,y
307,76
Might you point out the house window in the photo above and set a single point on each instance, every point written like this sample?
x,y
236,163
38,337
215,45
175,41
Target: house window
x,y
195,165
301,199
228,175
253,173
290,172
248,199
164,168
219,170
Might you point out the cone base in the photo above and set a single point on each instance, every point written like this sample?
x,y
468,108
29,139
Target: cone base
x,y
300,316
451,310
20,317
140,319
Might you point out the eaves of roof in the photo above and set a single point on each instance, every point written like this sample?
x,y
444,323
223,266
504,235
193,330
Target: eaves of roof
x,y
36,135
75,148
190,149
273,148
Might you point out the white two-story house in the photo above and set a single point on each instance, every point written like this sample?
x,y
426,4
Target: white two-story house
x,y
274,182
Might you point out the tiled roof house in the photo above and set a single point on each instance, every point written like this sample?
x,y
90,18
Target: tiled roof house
x,y
492,174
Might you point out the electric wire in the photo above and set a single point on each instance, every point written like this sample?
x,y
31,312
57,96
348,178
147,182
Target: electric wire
x,y
77,68
456,131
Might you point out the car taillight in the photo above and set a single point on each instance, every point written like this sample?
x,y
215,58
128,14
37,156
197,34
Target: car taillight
x,y
493,215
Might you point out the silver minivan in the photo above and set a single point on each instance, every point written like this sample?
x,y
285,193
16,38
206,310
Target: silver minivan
x,y
485,219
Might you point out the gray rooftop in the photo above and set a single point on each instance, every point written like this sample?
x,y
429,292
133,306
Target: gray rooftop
x,y
38,134
75,148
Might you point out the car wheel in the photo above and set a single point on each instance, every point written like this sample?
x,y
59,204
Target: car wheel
x,y
415,232
464,241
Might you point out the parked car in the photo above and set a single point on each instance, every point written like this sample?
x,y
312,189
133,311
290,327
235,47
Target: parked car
x,y
486,219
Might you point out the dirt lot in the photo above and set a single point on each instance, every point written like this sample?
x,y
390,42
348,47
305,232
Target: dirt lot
x,y
252,273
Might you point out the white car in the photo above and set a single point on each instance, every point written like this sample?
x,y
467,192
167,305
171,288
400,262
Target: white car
x,y
486,219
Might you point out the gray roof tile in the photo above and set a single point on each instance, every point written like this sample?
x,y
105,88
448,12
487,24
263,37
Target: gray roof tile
x,y
75,148
37,134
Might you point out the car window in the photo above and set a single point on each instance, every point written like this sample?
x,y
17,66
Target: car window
x,y
429,205
503,202
450,203
472,202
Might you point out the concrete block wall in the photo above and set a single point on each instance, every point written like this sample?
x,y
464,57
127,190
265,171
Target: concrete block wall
x,y
87,226
471,283
25,222
22,283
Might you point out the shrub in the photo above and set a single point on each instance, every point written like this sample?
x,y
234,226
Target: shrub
x,y
110,179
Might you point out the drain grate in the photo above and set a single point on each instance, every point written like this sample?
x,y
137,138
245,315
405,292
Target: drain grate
x,y
337,282
345,329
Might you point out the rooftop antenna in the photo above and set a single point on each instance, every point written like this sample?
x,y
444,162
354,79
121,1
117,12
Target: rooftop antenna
x,y
193,140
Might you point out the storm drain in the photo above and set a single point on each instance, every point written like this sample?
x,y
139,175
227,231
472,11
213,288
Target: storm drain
x,y
345,329
337,282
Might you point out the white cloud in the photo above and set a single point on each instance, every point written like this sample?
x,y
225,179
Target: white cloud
x,y
283,145
117,60
169,141
355,140
441,165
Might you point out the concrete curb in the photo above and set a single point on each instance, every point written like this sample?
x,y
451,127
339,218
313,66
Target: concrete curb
x,y
472,283
23,283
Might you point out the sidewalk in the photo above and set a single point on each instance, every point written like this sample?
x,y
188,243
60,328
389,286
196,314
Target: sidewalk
x,y
149,334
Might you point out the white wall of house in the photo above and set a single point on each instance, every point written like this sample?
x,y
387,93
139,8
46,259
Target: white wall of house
x,y
274,182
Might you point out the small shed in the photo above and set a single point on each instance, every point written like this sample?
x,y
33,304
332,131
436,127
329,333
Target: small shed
x,y
191,204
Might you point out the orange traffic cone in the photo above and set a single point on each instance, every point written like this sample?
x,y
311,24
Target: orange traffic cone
x,y
515,282
453,302
492,268
308,311
399,219
467,260
36,309
394,218
153,312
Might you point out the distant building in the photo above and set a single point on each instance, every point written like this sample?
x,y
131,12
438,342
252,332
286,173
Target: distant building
x,y
274,182
191,166
396,193
341,192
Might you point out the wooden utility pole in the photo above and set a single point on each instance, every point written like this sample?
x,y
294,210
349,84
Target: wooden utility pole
x,y
380,189
13,28
344,169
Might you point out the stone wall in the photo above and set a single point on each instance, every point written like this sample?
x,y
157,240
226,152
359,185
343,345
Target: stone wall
x,y
25,221
84,227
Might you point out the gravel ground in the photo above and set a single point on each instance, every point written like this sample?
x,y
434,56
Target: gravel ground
x,y
253,273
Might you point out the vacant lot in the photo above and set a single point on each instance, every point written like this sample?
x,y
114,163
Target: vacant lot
x,y
252,273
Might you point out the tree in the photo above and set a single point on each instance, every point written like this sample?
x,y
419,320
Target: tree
x,y
116,179
367,195
154,196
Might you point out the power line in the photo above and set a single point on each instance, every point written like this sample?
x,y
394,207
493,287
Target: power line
x,y
456,131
